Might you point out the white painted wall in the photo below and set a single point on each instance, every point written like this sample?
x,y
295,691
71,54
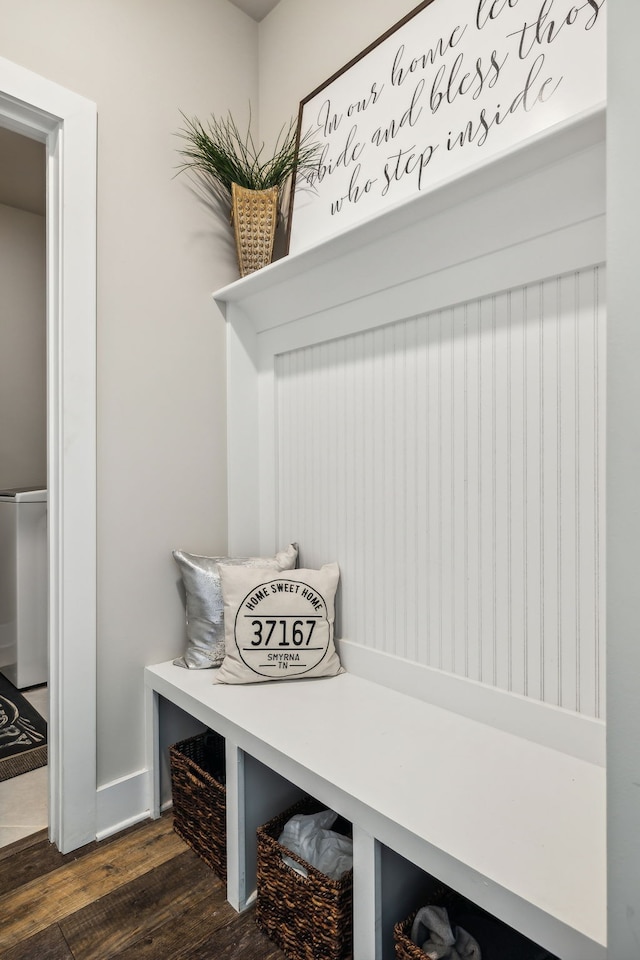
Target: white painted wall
x,y
23,455
161,358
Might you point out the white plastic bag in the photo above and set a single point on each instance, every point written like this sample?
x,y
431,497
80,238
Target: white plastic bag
x,y
308,836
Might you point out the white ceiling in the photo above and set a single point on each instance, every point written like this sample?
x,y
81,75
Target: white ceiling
x,y
258,9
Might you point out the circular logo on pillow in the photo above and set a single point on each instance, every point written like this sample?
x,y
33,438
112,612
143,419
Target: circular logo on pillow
x,y
282,629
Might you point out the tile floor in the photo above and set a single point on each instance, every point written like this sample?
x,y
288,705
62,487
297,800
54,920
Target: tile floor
x,y
24,800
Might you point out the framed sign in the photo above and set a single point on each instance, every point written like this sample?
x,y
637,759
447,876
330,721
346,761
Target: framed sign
x,y
452,84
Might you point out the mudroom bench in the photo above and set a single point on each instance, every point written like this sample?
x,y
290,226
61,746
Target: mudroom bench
x,y
509,809
420,398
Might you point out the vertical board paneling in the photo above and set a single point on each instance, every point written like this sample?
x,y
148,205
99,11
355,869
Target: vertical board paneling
x,y
453,464
518,634
550,515
486,496
533,531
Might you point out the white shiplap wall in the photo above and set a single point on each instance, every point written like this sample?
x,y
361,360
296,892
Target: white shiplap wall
x,y
453,464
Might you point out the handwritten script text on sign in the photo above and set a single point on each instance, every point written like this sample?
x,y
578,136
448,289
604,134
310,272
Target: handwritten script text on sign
x,y
458,82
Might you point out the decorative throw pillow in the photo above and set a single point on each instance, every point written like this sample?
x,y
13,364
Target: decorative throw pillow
x,y
205,620
278,626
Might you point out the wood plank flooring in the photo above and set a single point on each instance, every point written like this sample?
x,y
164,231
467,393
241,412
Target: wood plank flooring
x,y
142,894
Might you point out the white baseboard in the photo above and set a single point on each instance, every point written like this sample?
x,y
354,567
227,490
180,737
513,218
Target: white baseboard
x,y
122,803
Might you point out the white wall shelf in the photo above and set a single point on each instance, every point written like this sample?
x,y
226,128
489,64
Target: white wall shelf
x,y
340,269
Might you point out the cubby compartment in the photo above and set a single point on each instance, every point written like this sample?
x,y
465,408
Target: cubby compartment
x,y
406,890
308,914
198,777
263,794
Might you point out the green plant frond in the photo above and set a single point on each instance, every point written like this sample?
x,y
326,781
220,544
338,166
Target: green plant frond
x,y
221,155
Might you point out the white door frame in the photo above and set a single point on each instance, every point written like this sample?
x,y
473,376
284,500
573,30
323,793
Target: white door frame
x,y
67,123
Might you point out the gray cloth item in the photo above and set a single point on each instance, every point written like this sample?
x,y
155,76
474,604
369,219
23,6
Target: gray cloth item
x,y
309,836
431,931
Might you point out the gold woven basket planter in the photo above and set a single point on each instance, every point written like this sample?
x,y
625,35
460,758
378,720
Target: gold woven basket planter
x,y
254,214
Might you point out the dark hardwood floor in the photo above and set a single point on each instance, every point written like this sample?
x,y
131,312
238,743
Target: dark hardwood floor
x,y
142,894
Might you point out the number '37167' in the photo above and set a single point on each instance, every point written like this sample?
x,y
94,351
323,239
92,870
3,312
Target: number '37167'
x,y
282,633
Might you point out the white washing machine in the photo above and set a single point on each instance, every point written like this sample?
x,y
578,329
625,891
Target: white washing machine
x,y
23,586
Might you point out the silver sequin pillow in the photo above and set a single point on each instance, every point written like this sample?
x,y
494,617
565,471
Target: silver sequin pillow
x,y
279,626
205,608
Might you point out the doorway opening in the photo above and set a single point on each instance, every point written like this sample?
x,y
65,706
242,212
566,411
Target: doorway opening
x,y
66,124
23,472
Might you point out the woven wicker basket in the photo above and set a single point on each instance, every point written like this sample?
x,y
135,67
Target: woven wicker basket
x,y
309,918
199,797
406,949
254,214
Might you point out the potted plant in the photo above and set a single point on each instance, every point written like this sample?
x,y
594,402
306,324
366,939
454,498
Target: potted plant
x,y
236,173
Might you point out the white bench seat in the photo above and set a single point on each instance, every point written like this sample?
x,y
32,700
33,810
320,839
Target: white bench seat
x,y
516,826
